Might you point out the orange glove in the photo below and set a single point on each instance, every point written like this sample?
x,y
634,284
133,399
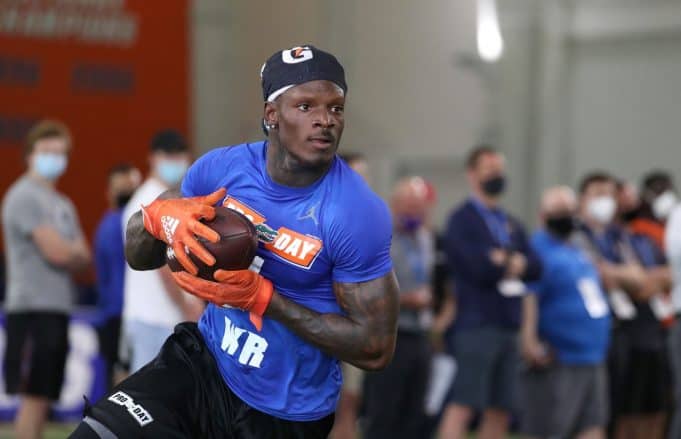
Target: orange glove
x,y
176,222
243,289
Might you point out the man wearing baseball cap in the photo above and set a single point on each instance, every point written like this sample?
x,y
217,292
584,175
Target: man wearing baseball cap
x,y
263,360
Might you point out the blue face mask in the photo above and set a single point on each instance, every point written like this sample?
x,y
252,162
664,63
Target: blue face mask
x,y
49,165
409,224
171,171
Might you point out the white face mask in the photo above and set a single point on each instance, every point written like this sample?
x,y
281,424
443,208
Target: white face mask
x,y
663,204
602,209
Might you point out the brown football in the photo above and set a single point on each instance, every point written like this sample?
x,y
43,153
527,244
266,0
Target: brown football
x,y
234,251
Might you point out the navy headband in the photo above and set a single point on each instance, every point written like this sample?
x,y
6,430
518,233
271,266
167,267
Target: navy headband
x,y
295,66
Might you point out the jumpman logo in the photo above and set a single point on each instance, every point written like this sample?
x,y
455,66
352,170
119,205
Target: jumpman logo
x,y
311,214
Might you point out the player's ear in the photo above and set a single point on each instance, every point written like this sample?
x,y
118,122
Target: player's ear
x,y
271,115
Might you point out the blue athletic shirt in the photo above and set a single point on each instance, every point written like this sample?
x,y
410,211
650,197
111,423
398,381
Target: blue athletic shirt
x,y
336,230
110,264
574,317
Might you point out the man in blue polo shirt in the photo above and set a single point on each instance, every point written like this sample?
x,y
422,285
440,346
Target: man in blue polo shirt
x,y
565,333
490,260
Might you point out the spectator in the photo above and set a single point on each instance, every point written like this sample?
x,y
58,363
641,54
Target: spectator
x,y
602,239
658,198
565,333
645,353
610,248
110,263
490,260
673,251
44,245
153,303
395,396
443,365
643,233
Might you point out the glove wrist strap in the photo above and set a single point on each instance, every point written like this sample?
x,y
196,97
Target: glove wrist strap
x,y
262,301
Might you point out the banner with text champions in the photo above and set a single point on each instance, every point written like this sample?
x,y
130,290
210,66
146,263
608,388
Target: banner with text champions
x,y
115,71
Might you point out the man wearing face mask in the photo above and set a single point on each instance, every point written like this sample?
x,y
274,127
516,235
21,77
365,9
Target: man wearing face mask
x,y
153,303
44,245
565,333
395,396
110,263
658,199
605,242
612,249
490,260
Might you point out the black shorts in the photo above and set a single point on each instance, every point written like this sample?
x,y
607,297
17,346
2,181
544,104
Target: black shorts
x,y
181,394
640,379
35,358
109,338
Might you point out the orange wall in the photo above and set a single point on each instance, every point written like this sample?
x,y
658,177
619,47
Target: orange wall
x,y
113,95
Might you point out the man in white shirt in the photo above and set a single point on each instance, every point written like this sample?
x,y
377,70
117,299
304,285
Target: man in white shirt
x,y
153,303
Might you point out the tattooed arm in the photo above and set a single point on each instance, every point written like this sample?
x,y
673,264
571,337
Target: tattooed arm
x,y
142,250
363,337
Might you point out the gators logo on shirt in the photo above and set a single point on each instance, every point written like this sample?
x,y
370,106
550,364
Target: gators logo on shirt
x,y
294,247
266,234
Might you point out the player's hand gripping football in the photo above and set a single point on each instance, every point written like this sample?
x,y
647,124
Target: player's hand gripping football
x,y
243,289
177,223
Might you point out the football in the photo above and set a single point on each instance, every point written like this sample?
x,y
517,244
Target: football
x,y
234,251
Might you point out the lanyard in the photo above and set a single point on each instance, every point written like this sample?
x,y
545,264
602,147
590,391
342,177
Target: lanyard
x,y
415,258
496,223
606,244
644,251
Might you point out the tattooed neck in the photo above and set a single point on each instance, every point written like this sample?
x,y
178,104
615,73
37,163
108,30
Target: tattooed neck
x,y
286,169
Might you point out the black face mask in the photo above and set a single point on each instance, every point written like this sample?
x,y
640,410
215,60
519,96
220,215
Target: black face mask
x,y
122,199
561,226
630,215
495,185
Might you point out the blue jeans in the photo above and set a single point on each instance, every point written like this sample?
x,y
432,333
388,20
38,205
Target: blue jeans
x,y
144,341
